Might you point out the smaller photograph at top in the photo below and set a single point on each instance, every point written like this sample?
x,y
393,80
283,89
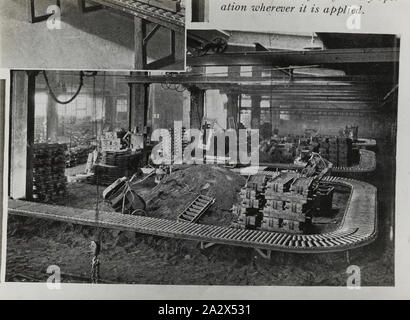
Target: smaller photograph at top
x,y
200,10
93,35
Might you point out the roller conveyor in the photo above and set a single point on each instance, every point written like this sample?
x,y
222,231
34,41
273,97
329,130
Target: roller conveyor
x,y
167,13
174,20
358,227
367,164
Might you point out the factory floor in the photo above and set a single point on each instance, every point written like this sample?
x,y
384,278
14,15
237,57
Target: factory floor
x,y
96,40
127,257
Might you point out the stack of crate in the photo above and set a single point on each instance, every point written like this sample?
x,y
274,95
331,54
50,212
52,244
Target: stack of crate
x,y
324,147
49,180
252,201
115,165
322,199
338,151
333,151
345,152
288,201
110,142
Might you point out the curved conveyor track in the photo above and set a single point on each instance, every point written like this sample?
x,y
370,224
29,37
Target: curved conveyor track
x,y
358,227
366,165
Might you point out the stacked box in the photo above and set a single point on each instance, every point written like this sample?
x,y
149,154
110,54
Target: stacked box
x,y
49,180
288,200
337,150
78,155
324,147
252,201
110,142
345,152
115,165
322,199
116,158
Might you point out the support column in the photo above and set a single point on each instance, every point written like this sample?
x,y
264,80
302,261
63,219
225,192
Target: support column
x,y
275,112
138,113
233,107
256,111
232,110
256,102
197,107
22,134
140,54
200,11
52,114
110,111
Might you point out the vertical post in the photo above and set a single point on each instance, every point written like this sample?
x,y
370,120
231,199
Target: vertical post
x,y
30,132
138,107
233,107
256,102
197,107
22,134
138,111
200,10
30,10
140,47
18,134
52,115
110,111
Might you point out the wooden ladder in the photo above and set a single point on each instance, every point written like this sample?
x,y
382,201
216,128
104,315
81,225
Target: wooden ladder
x,y
196,209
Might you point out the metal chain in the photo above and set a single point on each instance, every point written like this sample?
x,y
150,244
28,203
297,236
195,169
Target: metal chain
x,y
95,270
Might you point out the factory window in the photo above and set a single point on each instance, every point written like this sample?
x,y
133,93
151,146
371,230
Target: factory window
x,y
246,101
265,116
266,73
122,105
246,71
285,116
245,118
265,104
122,113
217,71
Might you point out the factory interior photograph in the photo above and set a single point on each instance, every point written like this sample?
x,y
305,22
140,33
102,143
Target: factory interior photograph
x,y
128,178
2,109
93,35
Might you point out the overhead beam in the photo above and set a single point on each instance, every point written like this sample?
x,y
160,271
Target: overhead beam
x,y
289,58
196,79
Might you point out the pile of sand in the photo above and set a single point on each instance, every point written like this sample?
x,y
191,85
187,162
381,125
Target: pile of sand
x,y
178,189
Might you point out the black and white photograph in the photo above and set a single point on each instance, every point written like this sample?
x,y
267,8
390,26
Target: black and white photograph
x,y
93,35
270,162
2,152
200,10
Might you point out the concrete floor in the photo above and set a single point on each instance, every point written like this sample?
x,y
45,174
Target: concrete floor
x,y
97,40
